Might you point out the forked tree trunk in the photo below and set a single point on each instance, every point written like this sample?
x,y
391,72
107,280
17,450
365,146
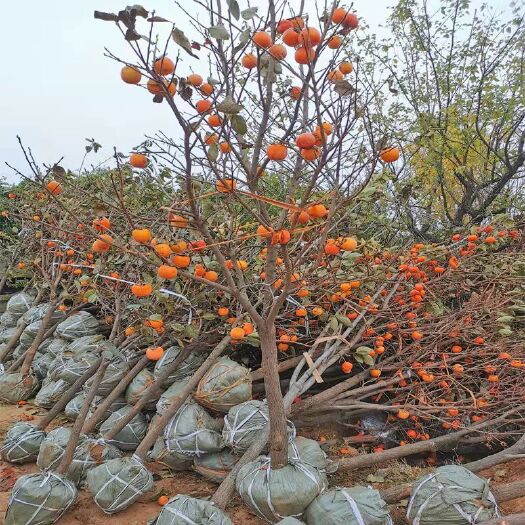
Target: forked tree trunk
x,y
75,431
158,426
31,352
277,414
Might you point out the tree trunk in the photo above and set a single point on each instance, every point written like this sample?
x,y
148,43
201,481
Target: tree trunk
x,y
68,395
13,341
31,352
91,423
158,426
75,431
4,279
277,413
504,456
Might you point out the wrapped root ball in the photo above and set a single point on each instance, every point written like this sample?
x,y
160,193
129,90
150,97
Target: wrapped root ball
x,y
183,510
15,387
225,385
348,506
274,494
243,424
215,466
131,435
22,443
452,495
118,483
39,499
193,432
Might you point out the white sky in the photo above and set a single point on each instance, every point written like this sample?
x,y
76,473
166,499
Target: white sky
x,y
57,88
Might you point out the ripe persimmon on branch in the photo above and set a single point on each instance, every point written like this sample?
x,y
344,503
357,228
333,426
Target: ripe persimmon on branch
x,y
278,137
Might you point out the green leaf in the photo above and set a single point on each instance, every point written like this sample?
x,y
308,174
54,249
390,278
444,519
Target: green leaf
x,y
375,479
219,32
249,13
343,320
229,106
239,124
182,40
343,88
368,359
505,319
334,324
208,316
233,6
363,350
190,331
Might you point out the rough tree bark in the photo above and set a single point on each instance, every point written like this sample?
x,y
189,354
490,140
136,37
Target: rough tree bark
x,y
274,397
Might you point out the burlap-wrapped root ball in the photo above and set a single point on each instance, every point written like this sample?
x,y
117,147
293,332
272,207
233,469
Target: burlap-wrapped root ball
x,y
39,499
224,385
183,510
215,466
118,483
277,494
186,368
193,432
22,443
451,495
348,506
15,387
131,435
244,423
52,448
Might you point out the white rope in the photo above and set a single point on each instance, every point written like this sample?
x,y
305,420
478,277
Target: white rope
x,y
353,505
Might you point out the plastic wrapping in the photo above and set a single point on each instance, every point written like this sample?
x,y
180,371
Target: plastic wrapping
x,y
131,435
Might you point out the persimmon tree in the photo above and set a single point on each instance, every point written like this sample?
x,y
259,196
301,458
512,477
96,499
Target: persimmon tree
x,y
273,149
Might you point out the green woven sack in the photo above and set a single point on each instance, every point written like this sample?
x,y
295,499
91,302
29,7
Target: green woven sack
x,y
244,423
169,458
22,443
290,521
167,398
348,506
183,510
131,435
224,385
310,452
140,383
186,368
118,483
274,494
215,466
193,432
39,499
77,325
452,495
14,387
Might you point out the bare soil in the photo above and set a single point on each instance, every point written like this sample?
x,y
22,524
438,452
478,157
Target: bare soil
x,y
86,512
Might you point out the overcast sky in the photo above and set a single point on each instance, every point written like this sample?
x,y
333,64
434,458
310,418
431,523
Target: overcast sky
x,y
57,88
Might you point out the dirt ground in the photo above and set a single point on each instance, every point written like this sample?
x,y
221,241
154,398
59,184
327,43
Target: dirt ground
x,y
86,512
